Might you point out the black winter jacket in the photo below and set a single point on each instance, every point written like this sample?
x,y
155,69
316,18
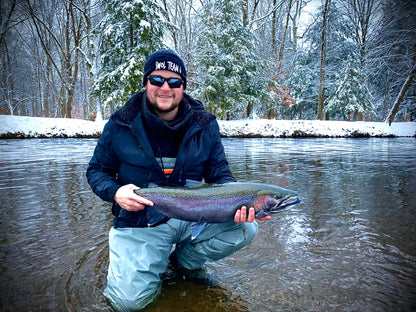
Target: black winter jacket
x,y
123,155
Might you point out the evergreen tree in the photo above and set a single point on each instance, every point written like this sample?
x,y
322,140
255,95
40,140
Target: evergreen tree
x,y
343,68
231,80
130,31
352,95
303,79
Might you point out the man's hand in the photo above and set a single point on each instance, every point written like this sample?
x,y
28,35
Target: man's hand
x,y
241,216
129,200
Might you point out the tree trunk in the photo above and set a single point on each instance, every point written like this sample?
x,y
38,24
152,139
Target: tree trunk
x,y
274,45
295,19
282,46
4,23
244,11
401,95
321,95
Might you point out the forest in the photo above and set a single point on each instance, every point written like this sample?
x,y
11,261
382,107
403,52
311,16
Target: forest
x,y
275,59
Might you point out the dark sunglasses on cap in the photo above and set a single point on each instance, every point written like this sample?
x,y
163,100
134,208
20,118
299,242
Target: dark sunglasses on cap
x,y
159,81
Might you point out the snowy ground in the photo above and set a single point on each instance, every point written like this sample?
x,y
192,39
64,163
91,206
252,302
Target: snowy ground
x,y
37,127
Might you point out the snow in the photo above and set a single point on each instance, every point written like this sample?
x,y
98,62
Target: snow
x,y
314,128
145,24
38,127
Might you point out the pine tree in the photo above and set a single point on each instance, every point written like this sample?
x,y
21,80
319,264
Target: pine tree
x,y
343,67
303,80
230,74
352,95
130,31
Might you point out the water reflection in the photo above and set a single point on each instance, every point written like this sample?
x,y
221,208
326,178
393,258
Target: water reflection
x,y
350,245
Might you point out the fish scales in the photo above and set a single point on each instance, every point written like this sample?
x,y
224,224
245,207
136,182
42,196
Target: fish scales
x,y
216,203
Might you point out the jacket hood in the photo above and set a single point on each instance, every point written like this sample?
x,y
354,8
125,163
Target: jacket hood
x,y
128,112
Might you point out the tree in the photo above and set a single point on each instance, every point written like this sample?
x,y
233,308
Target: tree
x,y
335,54
361,13
183,18
130,30
321,94
244,57
6,79
274,23
280,91
400,96
303,79
67,44
230,74
393,60
93,109
352,95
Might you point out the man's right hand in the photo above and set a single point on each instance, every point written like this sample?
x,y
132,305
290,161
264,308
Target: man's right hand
x,y
129,200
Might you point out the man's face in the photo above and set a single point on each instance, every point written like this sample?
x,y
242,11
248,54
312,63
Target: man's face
x,y
165,100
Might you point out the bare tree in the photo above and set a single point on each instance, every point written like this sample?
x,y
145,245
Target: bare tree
x,y
400,96
395,55
6,79
87,58
184,30
298,6
283,41
321,94
64,37
5,18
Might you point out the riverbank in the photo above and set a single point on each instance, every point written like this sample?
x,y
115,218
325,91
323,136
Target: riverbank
x,y
39,127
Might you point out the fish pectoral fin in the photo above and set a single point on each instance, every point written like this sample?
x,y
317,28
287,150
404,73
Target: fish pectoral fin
x,y
197,228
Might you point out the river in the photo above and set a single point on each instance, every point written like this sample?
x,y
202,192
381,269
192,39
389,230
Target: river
x,y
350,245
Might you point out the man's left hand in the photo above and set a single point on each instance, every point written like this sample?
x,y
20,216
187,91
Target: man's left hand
x,y
241,215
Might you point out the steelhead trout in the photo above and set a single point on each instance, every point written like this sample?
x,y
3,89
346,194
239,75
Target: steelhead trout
x,y
217,203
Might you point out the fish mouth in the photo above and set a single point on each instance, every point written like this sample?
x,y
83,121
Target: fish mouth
x,y
282,203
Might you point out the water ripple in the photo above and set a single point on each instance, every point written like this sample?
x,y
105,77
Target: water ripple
x,y
350,245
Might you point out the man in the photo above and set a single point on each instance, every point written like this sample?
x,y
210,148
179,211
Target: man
x,y
160,136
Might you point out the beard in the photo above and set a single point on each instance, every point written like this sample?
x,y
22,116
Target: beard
x,y
163,110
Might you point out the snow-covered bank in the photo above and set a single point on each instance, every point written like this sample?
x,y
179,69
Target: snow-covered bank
x,y
37,127
315,128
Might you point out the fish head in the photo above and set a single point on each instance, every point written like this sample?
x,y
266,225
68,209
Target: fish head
x,y
262,205
274,201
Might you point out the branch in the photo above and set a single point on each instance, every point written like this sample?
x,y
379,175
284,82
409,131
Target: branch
x,y
4,25
267,15
45,49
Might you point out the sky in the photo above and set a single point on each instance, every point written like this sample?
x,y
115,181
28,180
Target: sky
x,y
307,14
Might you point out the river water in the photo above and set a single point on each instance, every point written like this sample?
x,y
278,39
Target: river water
x,y
349,246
